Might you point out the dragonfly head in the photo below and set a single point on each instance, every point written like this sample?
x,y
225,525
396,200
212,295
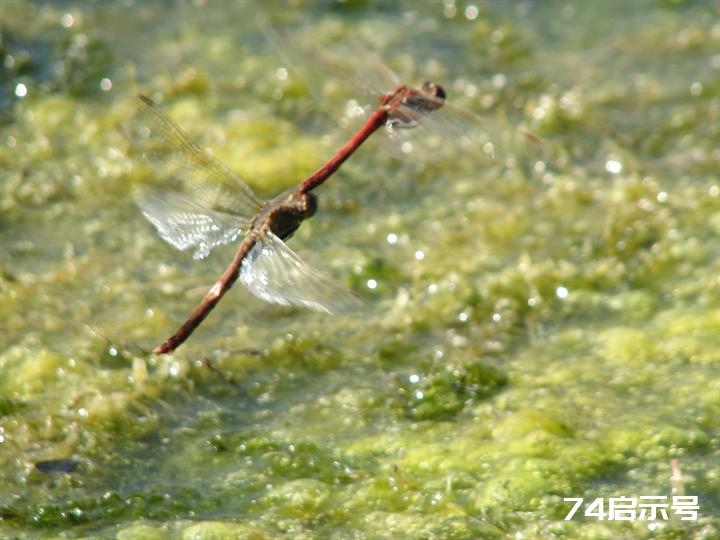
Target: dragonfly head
x,y
433,90
287,212
310,203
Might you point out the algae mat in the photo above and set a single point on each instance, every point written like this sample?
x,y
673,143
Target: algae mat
x,y
532,329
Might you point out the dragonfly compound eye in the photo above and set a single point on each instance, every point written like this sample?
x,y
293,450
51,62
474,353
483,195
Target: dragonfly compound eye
x,y
433,90
311,204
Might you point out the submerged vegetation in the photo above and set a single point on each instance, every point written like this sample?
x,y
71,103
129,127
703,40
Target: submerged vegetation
x,y
532,329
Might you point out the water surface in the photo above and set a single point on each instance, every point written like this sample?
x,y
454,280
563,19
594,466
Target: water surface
x,y
530,330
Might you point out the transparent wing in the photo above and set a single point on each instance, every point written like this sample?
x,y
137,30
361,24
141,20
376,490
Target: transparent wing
x,y
184,165
274,273
489,138
184,223
311,62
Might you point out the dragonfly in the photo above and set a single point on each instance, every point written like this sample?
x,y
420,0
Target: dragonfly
x,y
216,207
368,81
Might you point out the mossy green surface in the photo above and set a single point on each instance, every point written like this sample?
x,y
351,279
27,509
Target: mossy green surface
x,y
531,329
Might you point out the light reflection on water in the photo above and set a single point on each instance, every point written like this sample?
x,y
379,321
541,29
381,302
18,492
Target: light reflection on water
x,y
582,280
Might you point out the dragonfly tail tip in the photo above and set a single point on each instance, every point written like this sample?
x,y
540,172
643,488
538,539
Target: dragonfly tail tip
x,y
161,349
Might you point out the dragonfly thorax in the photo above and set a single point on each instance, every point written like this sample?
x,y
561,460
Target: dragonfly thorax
x,y
394,99
405,105
428,98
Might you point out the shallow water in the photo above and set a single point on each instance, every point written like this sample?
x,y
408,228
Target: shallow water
x,y
533,329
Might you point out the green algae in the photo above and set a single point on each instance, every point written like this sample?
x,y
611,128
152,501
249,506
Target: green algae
x,y
536,330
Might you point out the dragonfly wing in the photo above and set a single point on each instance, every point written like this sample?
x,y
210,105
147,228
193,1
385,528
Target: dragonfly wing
x,y
312,60
493,138
274,273
185,165
184,223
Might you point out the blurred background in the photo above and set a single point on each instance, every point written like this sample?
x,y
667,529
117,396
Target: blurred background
x,y
541,325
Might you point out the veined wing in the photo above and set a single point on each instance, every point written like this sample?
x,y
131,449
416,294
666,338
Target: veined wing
x,y
311,63
274,273
184,223
489,138
186,166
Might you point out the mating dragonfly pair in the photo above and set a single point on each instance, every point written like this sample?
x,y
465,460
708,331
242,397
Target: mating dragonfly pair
x,y
220,207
